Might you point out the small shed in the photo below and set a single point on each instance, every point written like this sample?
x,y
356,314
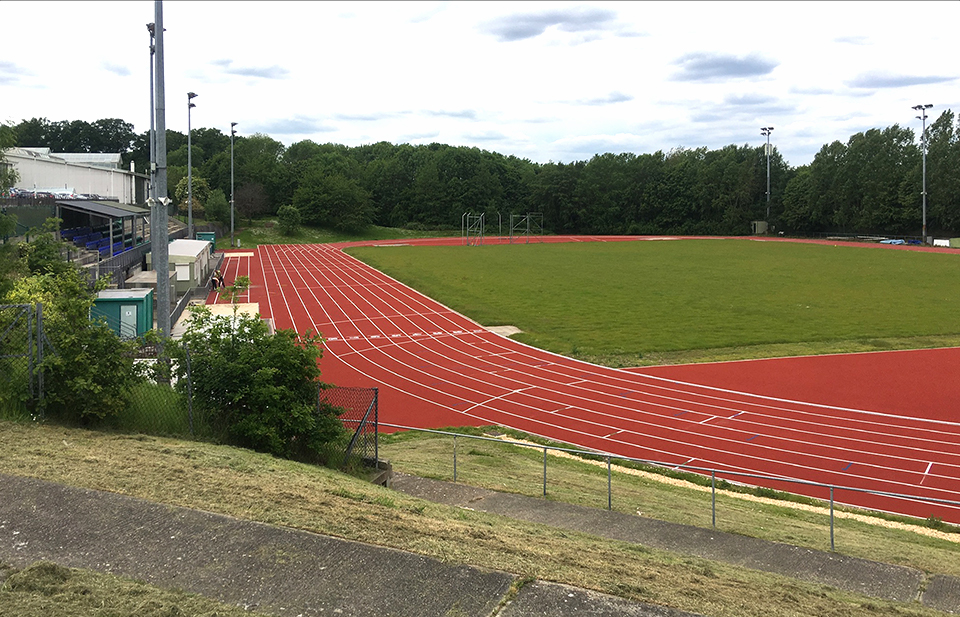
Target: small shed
x,y
191,261
129,312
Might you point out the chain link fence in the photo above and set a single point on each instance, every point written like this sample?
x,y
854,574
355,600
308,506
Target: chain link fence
x,y
358,411
157,403
22,348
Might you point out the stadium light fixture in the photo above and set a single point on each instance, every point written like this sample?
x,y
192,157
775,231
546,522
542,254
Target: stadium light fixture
x,y
233,132
190,105
923,147
766,131
153,132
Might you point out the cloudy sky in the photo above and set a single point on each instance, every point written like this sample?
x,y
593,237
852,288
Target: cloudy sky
x,y
547,81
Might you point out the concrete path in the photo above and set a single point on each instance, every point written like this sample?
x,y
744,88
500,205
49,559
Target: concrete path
x,y
283,571
273,570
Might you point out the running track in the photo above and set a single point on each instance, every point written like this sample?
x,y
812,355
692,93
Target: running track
x,y
436,368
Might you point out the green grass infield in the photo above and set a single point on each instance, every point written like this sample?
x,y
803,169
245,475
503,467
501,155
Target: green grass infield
x,y
658,302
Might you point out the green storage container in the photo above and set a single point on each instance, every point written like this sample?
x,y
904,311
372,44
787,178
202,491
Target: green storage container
x,y
128,312
209,236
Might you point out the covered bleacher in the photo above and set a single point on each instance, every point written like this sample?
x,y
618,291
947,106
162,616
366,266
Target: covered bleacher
x,y
112,237
107,227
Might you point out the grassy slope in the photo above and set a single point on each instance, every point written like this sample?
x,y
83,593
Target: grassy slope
x,y
265,231
660,302
257,487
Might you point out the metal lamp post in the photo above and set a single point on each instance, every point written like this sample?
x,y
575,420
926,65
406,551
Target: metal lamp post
x,y
190,105
923,145
766,131
153,133
232,133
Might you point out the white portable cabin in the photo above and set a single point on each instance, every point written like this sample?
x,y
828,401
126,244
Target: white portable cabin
x,y
191,261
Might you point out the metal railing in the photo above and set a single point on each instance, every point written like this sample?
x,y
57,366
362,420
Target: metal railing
x,y
701,471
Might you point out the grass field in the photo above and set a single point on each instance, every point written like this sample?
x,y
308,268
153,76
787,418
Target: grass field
x,y
638,303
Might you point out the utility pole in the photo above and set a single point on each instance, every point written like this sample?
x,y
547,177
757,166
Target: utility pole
x,y
159,219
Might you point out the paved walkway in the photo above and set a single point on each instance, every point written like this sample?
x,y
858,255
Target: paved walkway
x,y
288,572
274,570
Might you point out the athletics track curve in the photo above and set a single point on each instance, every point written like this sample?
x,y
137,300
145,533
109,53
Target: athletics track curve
x,y
436,368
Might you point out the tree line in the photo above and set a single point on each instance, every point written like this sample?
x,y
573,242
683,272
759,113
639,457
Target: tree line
x,y
870,184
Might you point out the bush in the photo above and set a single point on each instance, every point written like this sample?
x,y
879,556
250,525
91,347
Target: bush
x,y
254,389
289,219
89,375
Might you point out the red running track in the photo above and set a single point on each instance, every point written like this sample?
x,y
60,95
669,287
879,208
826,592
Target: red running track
x,y
436,368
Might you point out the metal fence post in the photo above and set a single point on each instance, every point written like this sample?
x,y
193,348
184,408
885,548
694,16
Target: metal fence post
x,y
544,472
454,458
186,353
713,496
376,425
831,519
30,334
609,487
40,338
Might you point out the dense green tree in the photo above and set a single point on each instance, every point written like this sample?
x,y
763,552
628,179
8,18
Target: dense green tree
x,y
201,194
106,135
869,184
257,161
8,175
258,390
289,220
89,375
799,201
333,201
217,207
943,174
251,201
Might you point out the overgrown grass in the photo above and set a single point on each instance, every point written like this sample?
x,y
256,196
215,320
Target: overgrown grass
x,y
266,231
48,590
518,469
257,487
156,410
635,303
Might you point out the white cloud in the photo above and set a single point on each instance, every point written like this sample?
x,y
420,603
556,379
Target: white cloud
x,y
560,81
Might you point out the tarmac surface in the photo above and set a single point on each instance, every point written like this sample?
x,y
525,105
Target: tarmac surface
x,y
283,571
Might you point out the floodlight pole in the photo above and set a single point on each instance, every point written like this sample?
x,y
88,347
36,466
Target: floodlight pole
x,y
159,226
766,131
153,145
190,105
233,132
923,146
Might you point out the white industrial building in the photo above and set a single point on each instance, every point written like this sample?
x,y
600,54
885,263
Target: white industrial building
x,y
76,175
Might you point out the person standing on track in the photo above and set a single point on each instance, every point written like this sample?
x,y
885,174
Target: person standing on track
x,y
217,280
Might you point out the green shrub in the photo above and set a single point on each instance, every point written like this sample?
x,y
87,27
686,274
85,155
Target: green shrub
x,y
255,389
